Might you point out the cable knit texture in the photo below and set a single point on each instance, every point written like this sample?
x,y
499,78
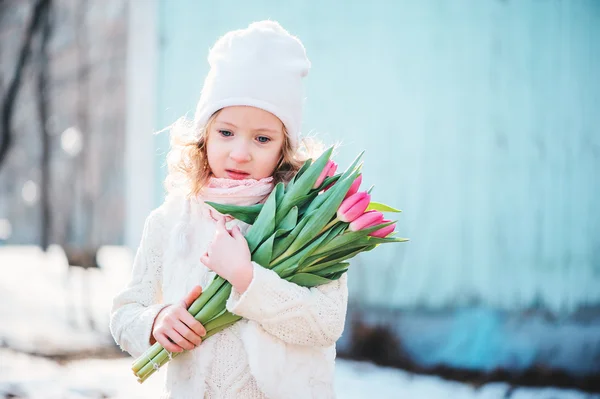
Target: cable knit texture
x,y
284,347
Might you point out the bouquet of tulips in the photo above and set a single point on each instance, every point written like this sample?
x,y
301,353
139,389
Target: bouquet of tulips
x,y
305,231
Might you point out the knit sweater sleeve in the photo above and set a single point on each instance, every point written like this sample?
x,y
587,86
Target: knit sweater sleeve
x,y
136,306
294,314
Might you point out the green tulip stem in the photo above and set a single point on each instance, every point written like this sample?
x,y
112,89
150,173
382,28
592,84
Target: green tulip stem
x,y
330,225
227,320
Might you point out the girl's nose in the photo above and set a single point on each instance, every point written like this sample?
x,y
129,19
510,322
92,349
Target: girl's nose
x,y
240,153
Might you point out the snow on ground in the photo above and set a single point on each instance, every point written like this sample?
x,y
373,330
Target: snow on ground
x,y
43,311
38,378
43,304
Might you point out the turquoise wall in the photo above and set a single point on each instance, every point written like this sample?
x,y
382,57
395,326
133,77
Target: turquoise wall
x,y
480,120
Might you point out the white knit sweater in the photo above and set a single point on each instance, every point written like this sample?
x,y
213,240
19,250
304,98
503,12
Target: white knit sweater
x,y
284,347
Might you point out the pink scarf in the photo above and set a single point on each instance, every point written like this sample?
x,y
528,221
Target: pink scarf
x,y
237,192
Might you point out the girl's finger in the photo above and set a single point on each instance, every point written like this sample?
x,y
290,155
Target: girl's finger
x,y
192,323
236,232
221,225
188,335
167,344
205,260
191,296
179,339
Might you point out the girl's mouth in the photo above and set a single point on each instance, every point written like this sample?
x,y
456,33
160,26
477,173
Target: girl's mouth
x,y
237,174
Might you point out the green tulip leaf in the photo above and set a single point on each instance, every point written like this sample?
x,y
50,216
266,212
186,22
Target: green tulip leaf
x,y
377,240
303,169
303,185
264,225
263,254
342,266
335,258
246,214
288,223
336,276
279,192
283,243
308,280
376,206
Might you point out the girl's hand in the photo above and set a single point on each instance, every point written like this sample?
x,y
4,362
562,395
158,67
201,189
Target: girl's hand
x,y
175,328
228,255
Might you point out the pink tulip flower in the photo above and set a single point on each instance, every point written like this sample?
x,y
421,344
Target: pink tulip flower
x,y
328,171
384,232
366,220
354,187
353,206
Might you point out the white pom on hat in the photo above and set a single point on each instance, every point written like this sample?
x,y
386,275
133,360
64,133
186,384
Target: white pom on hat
x,y
260,66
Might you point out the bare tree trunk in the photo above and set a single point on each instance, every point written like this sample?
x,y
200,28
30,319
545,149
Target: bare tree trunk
x,y
86,247
87,177
9,100
42,103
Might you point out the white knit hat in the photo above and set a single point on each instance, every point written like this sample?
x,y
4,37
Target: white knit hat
x,y
260,66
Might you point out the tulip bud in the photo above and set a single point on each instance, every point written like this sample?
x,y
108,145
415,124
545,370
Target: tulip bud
x,y
332,169
366,220
354,187
328,171
384,232
353,206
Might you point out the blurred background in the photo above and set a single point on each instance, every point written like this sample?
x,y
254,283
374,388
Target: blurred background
x,y
480,120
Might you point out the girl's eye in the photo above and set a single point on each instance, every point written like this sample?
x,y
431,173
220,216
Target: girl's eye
x,y
225,133
263,139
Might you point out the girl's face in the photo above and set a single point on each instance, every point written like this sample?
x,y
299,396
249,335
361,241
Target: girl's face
x,y
244,143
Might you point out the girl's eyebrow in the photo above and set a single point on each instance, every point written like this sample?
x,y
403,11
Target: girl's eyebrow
x,y
262,129
227,123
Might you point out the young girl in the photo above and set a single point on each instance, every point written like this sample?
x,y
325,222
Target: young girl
x,y
244,139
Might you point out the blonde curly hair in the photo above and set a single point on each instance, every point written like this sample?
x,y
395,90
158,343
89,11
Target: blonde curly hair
x,y
187,161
